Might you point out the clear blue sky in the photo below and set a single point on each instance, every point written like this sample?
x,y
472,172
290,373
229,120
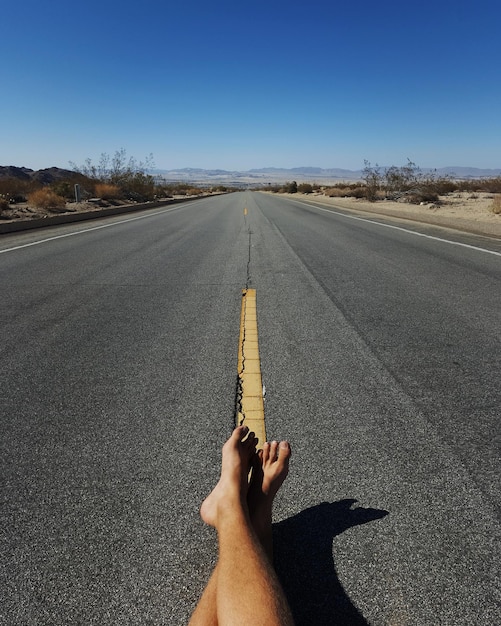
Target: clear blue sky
x,y
260,84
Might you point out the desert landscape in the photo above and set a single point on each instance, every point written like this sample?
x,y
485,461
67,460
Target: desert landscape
x,y
33,198
462,210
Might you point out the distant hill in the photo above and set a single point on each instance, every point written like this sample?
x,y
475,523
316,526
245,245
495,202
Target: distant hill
x,y
467,172
20,173
45,176
257,177
250,177
309,174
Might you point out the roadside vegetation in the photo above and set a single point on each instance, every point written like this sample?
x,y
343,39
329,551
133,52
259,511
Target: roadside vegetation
x,y
120,177
406,183
16,191
47,199
112,181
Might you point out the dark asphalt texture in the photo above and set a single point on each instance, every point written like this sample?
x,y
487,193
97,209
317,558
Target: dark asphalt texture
x,y
380,353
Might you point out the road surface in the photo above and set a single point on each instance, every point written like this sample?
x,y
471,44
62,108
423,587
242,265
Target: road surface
x,y
380,353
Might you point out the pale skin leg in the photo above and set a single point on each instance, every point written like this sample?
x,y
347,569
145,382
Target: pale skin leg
x,y
243,588
270,467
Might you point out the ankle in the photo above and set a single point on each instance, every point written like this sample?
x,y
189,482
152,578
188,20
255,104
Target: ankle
x,y
232,508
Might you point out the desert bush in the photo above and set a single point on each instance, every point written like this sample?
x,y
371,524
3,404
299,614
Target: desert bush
x,y
162,191
336,192
175,189
4,205
491,185
129,175
64,189
443,186
373,180
47,199
107,191
16,190
472,186
421,195
477,185
361,192
290,187
340,190
139,186
496,205
406,181
181,189
305,188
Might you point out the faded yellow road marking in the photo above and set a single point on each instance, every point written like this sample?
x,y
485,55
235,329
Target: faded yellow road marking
x,y
245,211
251,403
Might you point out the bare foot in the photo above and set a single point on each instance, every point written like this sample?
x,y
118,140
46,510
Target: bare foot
x,y
231,490
270,467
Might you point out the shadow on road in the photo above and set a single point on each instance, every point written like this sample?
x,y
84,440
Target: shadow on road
x,y
304,563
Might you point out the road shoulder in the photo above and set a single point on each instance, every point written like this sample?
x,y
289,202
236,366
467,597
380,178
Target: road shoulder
x,y
461,215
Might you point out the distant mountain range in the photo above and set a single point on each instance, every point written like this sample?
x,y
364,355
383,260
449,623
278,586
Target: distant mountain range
x,y
310,174
266,173
45,176
251,177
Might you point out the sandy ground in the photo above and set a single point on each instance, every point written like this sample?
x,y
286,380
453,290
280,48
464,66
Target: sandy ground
x,y
24,212
462,211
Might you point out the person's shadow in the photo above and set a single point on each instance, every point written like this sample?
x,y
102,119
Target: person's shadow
x,y
305,567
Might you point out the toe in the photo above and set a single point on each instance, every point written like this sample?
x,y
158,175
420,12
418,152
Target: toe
x,y
284,451
240,433
273,450
265,453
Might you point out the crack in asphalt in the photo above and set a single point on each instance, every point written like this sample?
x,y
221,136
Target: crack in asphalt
x,y
239,417
239,412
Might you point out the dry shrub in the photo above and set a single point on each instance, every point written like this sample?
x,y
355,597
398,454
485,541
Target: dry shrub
x,y
486,185
107,191
193,192
421,195
492,185
46,199
4,204
443,186
305,188
351,191
16,190
496,205
358,192
336,192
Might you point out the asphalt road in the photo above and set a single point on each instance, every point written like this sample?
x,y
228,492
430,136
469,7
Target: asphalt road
x,y
380,353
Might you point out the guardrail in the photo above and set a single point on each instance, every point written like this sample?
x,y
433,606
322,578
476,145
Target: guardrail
x,y
65,218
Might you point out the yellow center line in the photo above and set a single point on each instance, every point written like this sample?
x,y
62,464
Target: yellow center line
x,y
251,409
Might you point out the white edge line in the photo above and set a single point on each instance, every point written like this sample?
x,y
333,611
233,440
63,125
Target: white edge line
x,y
405,230
87,230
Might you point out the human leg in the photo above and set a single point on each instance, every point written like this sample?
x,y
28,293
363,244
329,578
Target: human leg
x,y
205,613
244,588
270,467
